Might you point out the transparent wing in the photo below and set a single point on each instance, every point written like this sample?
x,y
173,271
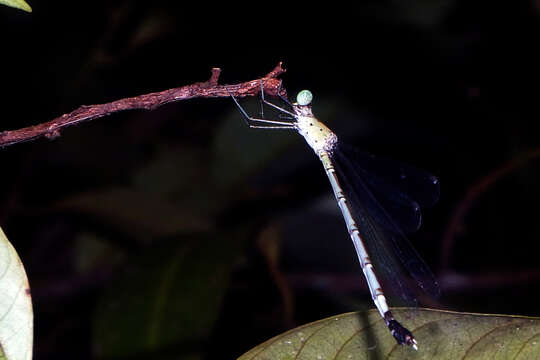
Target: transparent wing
x,y
398,188
393,256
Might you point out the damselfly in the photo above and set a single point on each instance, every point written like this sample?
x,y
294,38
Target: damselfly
x,y
380,200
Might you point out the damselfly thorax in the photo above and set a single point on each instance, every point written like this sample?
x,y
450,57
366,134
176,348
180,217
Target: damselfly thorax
x,y
369,222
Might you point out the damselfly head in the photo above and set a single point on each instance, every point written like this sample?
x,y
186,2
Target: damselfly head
x,y
304,98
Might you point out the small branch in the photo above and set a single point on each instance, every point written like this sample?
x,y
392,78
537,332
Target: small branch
x,y
207,89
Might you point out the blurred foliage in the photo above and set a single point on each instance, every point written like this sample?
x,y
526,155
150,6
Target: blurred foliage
x,y
144,234
159,302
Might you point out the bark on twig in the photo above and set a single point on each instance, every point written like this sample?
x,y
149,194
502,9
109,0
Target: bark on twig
x,y
207,89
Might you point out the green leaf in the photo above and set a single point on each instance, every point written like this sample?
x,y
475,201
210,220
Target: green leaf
x,y
171,296
440,335
16,316
17,4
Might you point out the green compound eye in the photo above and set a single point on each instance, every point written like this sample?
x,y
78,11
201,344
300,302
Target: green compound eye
x,y
304,97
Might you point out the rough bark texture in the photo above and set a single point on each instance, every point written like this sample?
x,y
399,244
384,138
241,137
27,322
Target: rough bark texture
x,y
207,89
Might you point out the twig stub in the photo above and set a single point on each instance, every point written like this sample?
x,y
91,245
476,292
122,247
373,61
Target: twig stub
x,y
207,89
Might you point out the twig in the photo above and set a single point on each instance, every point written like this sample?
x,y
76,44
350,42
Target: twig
x,y
207,89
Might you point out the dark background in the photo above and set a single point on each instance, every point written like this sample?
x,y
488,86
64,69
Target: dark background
x,y
179,233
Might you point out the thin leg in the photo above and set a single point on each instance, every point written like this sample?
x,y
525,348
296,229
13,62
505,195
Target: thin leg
x,y
274,105
281,116
283,98
248,119
271,127
262,109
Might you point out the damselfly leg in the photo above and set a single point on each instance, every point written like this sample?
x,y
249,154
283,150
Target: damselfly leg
x,y
270,124
377,209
